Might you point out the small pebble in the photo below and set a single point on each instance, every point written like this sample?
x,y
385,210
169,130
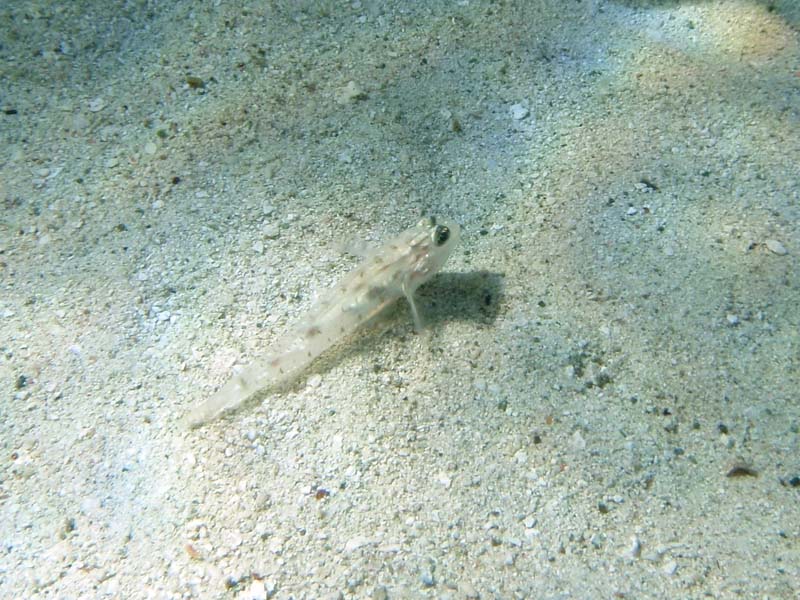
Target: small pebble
x,y
732,319
150,148
257,590
195,82
97,105
427,579
775,246
577,442
635,548
518,112
352,92
355,543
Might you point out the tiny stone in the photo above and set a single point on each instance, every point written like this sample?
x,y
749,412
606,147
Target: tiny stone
x,y
635,549
427,579
355,543
258,247
350,93
577,442
776,247
518,112
632,211
257,590
111,163
732,319
195,82
97,105
150,148
270,231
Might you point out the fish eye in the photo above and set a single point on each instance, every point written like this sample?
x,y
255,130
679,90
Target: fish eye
x,y
440,235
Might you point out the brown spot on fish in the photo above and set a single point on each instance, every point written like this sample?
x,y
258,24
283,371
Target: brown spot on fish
x,y
376,292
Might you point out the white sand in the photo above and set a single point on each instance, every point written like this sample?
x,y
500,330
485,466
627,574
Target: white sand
x,y
616,335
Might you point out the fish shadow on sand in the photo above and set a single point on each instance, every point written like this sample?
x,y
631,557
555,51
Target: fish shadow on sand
x,y
476,296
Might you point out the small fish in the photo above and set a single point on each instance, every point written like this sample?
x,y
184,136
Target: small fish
x,y
394,270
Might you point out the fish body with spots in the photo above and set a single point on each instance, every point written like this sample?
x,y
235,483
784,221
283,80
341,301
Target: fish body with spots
x,y
394,270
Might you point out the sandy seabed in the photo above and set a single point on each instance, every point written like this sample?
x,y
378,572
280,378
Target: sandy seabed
x,y
605,402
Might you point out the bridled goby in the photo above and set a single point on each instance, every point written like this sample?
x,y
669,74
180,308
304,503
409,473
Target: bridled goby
x,y
392,271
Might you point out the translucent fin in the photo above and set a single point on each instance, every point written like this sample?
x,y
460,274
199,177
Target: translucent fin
x,y
414,312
